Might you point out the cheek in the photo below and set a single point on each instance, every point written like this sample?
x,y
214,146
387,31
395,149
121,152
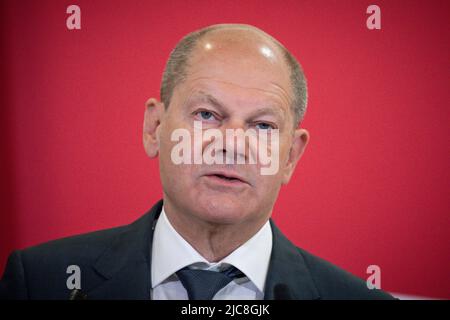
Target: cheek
x,y
285,149
267,190
172,174
265,186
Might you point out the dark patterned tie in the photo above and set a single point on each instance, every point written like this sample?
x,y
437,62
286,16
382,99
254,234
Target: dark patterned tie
x,y
204,284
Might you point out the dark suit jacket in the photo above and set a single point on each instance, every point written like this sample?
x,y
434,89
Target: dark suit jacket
x,y
115,264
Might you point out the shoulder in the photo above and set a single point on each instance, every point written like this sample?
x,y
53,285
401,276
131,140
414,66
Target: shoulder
x,y
332,282
82,247
41,271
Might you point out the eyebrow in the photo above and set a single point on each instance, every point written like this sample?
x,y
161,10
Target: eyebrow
x,y
273,111
208,98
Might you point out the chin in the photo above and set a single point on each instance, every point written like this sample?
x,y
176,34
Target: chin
x,y
223,209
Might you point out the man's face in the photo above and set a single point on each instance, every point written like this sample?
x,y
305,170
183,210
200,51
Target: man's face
x,y
232,83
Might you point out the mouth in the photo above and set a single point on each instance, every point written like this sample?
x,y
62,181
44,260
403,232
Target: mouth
x,y
226,178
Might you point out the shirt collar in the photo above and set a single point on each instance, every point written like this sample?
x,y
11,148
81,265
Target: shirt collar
x,y
171,252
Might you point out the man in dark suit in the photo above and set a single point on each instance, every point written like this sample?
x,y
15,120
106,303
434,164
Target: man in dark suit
x,y
211,237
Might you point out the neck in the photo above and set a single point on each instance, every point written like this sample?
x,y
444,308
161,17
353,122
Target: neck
x,y
214,241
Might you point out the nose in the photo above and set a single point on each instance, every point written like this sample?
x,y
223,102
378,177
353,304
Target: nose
x,y
239,142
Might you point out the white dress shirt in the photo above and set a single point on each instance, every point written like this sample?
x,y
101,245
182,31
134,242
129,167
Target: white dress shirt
x,y
171,252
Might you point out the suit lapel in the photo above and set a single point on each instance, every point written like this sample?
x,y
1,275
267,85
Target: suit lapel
x,y
288,276
125,266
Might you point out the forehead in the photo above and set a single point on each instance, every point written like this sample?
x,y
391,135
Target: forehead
x,y
240,60
231,99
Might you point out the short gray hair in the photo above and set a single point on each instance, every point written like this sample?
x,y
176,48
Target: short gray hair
x,y
175,71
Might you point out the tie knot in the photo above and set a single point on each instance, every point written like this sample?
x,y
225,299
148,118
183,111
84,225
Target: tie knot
x,y
204,284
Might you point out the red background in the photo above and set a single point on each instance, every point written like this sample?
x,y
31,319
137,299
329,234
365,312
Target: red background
x,y
370,188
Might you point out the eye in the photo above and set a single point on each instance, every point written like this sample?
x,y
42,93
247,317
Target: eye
x,y
264,126
205,115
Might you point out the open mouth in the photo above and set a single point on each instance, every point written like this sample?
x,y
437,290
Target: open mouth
x,y
221,176
226,179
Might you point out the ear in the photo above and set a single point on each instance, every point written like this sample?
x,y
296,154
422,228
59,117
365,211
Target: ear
x,y
152,120
299,142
